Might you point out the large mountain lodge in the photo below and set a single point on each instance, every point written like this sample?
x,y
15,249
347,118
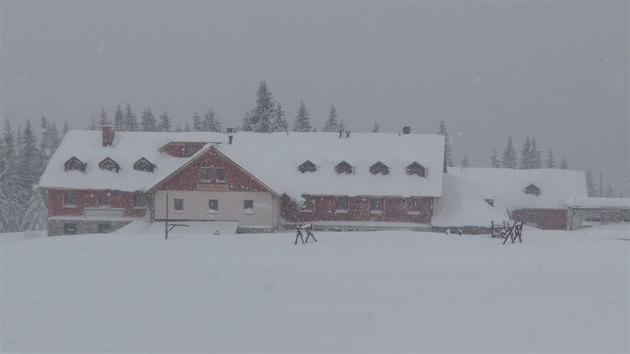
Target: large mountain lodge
x,y
101,181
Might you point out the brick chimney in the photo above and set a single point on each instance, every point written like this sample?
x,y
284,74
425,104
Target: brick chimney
x,y
108,135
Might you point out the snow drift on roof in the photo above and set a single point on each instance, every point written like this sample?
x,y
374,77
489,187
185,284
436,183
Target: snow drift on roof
x,y
462,205
598,203
274,159
127,149
506,186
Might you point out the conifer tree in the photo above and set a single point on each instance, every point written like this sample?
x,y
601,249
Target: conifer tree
x,y
119,119
376,128
332,123
148,122
28,169
197,124
35,212
103,121
131,122
302,120
536,158
509,154
165,123
465,161
93,124
260,118
526,155
186,127
448,151
10,207
564,164
66,128
279,122
550,162
494,160
591,190
342,126
210,122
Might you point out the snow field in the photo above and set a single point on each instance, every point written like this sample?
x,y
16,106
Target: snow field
x,y
389,291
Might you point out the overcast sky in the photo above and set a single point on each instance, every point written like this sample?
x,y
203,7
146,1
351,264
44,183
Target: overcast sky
x,y
555,70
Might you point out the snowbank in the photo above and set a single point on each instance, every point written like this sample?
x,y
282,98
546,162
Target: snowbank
x,y
462,205
349,292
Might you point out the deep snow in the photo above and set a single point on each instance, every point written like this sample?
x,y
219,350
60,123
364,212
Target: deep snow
x,y
387,291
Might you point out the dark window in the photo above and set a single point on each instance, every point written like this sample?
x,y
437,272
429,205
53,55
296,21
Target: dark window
x,y
138,200
416,169
70,199
213,205
307,204
105,199
205,174
190,150
104,228
143,165
413,205
219,175
307,166
178,204
343,167
532,189
376,205
109,165
341,203
248,206
379,167
69,229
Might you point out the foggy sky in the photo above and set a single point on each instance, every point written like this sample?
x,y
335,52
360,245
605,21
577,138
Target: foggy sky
x,y
557,71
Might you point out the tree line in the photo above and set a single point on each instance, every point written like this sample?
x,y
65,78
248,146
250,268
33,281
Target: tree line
x,y
23,158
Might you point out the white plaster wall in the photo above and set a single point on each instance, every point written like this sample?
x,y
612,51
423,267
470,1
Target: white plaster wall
x,y
266,207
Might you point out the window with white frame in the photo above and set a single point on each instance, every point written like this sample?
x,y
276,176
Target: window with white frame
x,y
307,204
413,206
70,199
139,200
219,175
213,205
105,199
205,174
376,206
341,204
178,204
248,206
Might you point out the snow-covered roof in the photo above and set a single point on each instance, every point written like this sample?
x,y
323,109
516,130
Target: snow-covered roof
x,y
274,160
507,186
598,203
127,148
461,204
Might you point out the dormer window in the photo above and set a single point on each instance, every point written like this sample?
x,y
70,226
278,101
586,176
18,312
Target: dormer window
x,y
74,164
143,165
416,169
343,167
379,167
109,165
307,166
532,189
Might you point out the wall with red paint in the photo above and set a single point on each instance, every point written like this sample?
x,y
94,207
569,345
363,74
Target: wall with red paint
x,y
188,178
324,209
90,199
546,219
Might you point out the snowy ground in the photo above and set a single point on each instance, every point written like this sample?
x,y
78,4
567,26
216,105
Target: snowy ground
x,y
388,291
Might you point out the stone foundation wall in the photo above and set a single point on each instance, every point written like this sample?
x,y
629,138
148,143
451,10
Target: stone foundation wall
x,y
59,227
